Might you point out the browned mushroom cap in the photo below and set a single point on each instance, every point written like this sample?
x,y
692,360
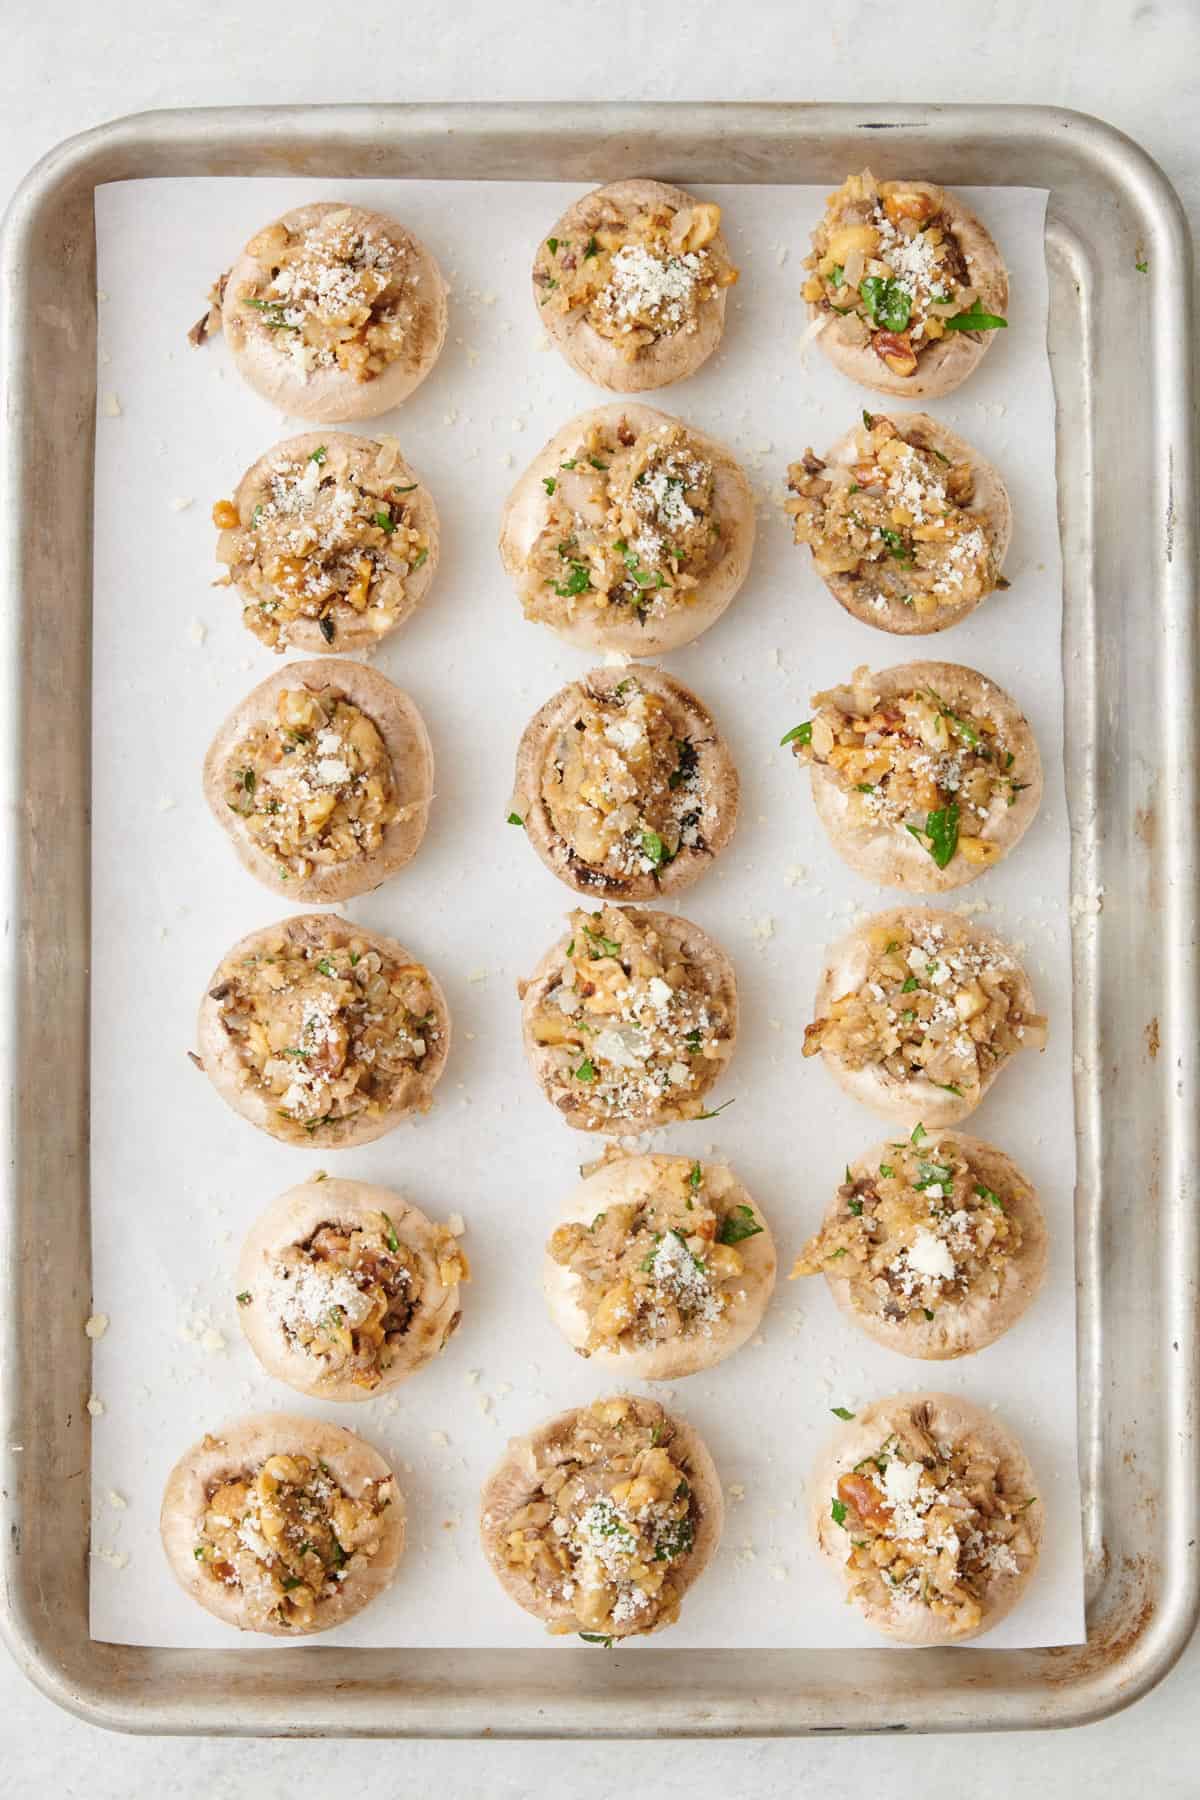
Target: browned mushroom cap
x,y
735,1284
664,1062
257,1589
672,616
945,364
919,1425
886,850
289,1284
989,508
583,1441
625,855
963,1319
383,804
335,542
851,1047
366,1036
608,361
323,372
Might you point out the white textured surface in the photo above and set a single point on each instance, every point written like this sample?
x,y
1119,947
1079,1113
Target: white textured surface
x,y
169,898
1137,65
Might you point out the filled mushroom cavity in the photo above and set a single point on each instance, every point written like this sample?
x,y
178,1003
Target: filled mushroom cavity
x,y
285,1534
892,520
326,537
888,261
640,273
633,1021
664,1264
934,1002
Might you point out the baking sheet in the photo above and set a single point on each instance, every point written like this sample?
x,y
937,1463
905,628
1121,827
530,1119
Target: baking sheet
x,y
178,1179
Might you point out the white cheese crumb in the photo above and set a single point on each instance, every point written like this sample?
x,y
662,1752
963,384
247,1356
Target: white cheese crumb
x,y
96,1326
439,1438
197,631
112,407
929,1255
95,1407
116,1559
181,503
117,1501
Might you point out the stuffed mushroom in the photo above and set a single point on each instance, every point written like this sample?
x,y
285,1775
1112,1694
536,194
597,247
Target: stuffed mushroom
x,y
322,1033
331,541
934,1246
344,1289
908,525
923,775
331,312
322,778
918,1012
625,786
928,1508
906,286
630,1019
600,1520
630,531
631,284
659,1266
283,1525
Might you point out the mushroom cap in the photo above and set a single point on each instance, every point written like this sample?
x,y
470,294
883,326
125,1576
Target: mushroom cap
x,y
515,1479
291,1219
331,395
989,505
714,763
235,1083
681,938
524,519
246,1444
341,448
959,1328
620,1182
406,740
599,358
914,1100
947,362
890,855
953,1418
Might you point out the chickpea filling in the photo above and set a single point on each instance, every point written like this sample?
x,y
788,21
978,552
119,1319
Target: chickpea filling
x,y
887,260
287,1535
931,1522
663,1266
622,788
631,529
333,539
911,764
328,1030
934,1005
349,1294
333,295
636,1029
895,523
636,277
920,1232
315,787
607,1521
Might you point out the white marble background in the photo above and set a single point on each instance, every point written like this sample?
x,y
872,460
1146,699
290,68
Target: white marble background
x,y
67,67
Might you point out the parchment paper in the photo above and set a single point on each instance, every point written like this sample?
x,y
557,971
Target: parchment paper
x,y
178,1178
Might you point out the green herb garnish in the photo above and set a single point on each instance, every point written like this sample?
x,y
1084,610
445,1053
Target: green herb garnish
x,y
577,582
738,1225
585,1071
841,1412
888,302
940,836
243,1299
837,1511
596,1637
975,319
390,1238
514,818
549,483
799,734
695,1176
319,454
385,522
654,848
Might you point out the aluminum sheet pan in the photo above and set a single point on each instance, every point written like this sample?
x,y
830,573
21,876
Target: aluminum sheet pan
x,y
1120,342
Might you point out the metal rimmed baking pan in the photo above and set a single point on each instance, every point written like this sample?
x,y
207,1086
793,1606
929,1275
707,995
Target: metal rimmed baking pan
x,y
1120,340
